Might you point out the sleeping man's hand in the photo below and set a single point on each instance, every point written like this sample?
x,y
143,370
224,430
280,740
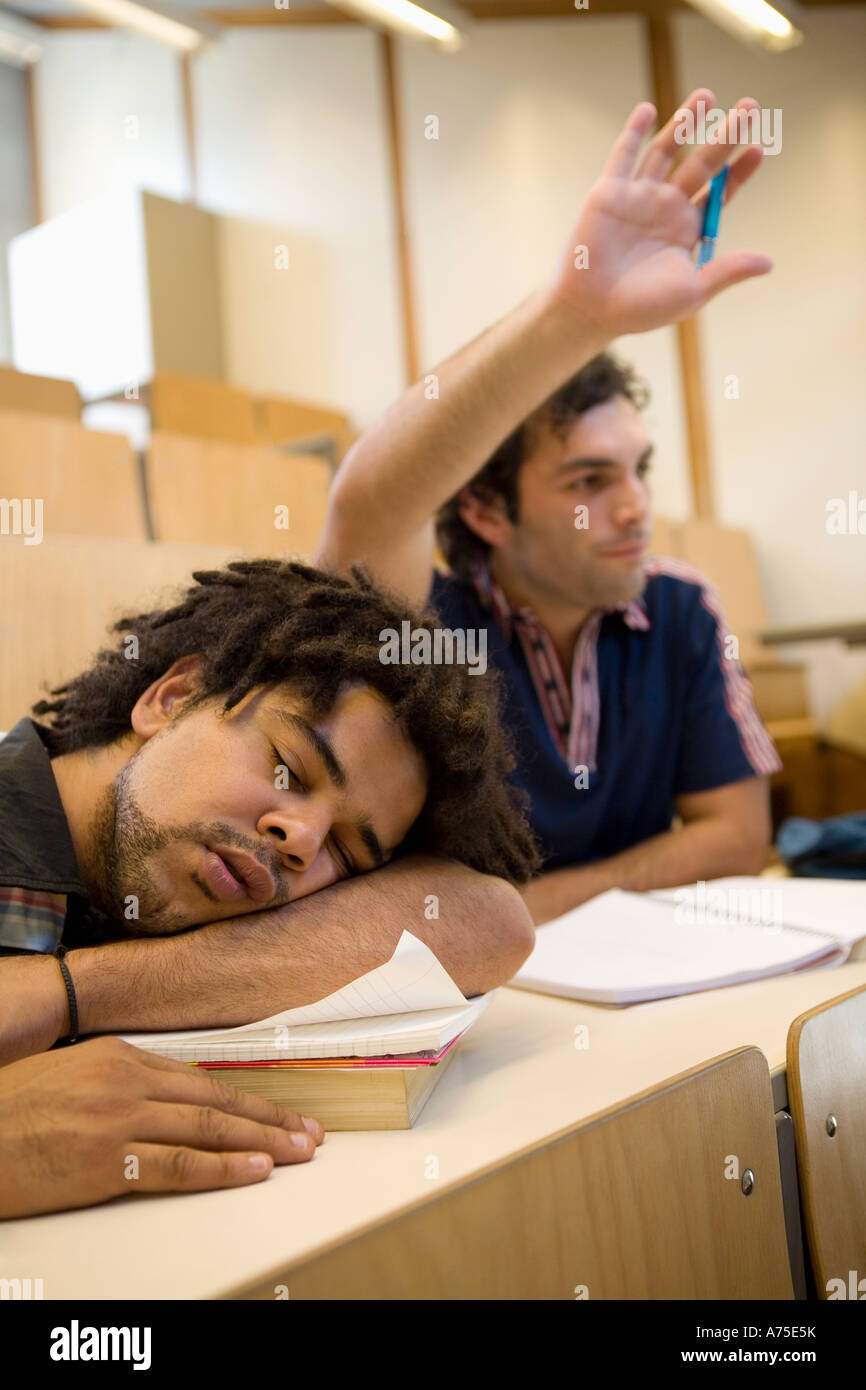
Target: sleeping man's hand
x,y
104,1118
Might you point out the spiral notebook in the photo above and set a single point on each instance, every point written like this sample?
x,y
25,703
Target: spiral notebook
x,y
629,948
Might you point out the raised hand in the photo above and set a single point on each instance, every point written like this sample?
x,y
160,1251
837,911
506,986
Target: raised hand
x,y
640,222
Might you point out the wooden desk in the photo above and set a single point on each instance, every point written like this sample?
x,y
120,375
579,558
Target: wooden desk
x,y
517,1081
854,634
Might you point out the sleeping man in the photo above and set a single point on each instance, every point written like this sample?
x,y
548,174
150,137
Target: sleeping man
x,y
237,809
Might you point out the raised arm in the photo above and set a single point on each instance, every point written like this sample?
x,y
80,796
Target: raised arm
x,y
638,225
237,971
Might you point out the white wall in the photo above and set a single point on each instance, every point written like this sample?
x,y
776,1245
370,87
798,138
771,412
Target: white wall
x,y
796,436
291,131
290,135
16,193
526,113
795,338
109,116
79,299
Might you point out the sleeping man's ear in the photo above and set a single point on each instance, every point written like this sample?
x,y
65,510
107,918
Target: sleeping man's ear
x,y
163,700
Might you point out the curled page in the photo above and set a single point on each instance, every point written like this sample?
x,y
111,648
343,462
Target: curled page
x,y
412,981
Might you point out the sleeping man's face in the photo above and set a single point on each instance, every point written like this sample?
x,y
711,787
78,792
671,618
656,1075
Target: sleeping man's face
x,y
215,815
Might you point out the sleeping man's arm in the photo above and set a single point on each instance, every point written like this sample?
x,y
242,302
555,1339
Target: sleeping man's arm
x,y
233,972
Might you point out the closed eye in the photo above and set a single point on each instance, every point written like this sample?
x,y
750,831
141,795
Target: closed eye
x,y
280,763
343,858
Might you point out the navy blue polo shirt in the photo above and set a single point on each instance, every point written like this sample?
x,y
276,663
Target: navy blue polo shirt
x,y
657,704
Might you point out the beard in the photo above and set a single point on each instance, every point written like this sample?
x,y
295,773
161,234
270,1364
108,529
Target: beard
x,y
592,588
122,847
123,842
611,592
556,574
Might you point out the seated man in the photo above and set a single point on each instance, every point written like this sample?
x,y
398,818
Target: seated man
x,y
624,698
240,763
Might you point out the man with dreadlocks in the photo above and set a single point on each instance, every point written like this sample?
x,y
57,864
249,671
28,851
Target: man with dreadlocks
x,y
248,749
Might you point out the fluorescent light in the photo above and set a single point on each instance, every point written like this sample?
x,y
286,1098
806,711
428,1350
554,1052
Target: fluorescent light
x,y
19,41
403,17
154,21
751,20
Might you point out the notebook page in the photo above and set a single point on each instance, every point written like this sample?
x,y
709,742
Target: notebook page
x,y
832,905
625,947
390,1035
411,981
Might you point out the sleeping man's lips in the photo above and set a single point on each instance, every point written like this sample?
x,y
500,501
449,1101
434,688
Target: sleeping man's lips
x,y
234,876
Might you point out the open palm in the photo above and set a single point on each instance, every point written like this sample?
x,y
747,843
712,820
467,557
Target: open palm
x,y
640,223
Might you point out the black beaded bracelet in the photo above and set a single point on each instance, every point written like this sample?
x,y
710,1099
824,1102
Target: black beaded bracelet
x,y
70,995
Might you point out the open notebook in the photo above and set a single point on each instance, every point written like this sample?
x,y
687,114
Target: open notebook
x,y
627,948
408,1005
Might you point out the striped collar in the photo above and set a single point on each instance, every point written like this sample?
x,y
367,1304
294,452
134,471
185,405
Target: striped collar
x,y
491,595
571,705
572,708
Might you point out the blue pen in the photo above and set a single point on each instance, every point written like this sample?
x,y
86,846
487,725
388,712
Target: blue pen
x,y
712,213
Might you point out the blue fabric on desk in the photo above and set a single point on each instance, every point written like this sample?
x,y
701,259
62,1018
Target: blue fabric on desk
x,y
834,848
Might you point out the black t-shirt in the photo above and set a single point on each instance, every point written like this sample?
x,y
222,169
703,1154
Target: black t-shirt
x,y
43,901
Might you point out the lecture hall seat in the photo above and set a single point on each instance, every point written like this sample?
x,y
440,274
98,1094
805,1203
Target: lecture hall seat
x,y
727,557
295,426
633,1203
200,406
826,1066
214,492
39,395
60,597
88,481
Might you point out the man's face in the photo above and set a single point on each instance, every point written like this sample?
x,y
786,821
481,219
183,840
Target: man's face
x,y
222,814
599,464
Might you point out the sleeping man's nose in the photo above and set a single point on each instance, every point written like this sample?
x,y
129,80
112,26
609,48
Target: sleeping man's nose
x,y
296,835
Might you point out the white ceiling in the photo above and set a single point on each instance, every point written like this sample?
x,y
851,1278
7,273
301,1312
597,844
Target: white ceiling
x,y
34,8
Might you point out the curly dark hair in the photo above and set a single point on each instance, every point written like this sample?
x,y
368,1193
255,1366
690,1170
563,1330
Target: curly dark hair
x,y
597,382
259,622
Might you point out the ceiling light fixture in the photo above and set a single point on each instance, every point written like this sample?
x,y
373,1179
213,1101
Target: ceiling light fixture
x,y
159,22
753,21
402,17
19,41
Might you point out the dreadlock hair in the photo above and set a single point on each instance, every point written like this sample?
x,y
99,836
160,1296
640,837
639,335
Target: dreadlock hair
x,y
597,382
258,622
